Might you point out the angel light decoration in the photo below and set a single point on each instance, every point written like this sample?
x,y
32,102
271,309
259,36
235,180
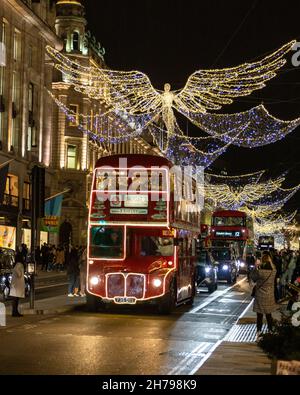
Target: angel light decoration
x,y
205,90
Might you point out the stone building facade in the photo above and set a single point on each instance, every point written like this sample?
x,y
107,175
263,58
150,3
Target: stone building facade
x,y
74,154
33,130
26,27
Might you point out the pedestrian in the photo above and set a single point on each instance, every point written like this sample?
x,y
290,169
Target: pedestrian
x,y
17,286
83,271
264,299
73,273
60,258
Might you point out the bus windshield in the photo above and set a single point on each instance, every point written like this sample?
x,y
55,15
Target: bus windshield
x,y
221,255
106,242
229,221
154,246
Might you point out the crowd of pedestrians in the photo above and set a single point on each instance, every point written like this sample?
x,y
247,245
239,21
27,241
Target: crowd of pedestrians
x,y
274,272
63,258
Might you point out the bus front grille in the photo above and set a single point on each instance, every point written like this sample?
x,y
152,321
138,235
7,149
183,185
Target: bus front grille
x,y
131,285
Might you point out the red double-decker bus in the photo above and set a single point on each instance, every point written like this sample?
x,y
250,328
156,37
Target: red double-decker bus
x,y
229,226
142,241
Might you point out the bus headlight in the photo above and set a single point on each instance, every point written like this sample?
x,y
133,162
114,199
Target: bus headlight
x,y
94,280
225,267
157,282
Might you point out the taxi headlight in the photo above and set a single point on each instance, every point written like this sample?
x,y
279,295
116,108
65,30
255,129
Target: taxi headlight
x,y
225,267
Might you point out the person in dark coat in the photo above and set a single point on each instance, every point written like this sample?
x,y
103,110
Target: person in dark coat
x,y
73,272
264,299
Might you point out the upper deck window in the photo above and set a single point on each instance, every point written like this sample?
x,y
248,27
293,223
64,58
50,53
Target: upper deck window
x,y
229,221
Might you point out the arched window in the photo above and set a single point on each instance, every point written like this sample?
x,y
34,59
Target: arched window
x,y
75,41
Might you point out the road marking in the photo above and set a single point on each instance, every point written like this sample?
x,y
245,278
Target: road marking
x,y
221,315
198,366
51,286
214,297
203,360
28,326
228,300
195,353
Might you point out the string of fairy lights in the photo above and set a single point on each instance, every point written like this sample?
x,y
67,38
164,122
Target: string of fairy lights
x,y
140,108
132,93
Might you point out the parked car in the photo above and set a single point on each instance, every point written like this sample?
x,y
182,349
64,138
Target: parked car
x,y
225,260
7,259
206,271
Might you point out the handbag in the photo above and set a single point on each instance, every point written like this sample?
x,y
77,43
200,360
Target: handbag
x,y
254,288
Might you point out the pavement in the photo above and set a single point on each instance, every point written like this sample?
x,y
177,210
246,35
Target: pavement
x,y
238,353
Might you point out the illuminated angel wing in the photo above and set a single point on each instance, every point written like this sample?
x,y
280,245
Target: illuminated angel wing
x,y
211,89
129,91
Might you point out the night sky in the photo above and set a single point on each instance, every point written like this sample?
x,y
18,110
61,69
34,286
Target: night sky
x,y
170,39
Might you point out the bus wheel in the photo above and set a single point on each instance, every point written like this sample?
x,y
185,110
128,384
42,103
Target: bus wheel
x,y
168,302
93,303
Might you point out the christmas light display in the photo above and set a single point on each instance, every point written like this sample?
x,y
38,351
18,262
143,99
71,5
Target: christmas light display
x,y
233,196
261,128
132,93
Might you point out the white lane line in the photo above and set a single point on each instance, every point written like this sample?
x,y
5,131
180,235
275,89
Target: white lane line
x,y
182,364
50,286
229,300
216,295
198,366
221,315
232,330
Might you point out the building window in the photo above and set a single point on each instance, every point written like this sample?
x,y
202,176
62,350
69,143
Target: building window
x,y
2,82
74,110
17,45
31,135
75,41
71,156
30,56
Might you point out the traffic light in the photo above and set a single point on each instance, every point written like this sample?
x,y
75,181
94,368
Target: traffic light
x,y
38,191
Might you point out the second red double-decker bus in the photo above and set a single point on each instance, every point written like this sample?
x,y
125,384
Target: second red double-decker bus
x,y
230,226
142,241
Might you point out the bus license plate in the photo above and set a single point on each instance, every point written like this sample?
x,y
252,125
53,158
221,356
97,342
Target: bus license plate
x,y
125,300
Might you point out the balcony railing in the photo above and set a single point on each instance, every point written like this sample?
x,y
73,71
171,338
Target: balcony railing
x,y
10,200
